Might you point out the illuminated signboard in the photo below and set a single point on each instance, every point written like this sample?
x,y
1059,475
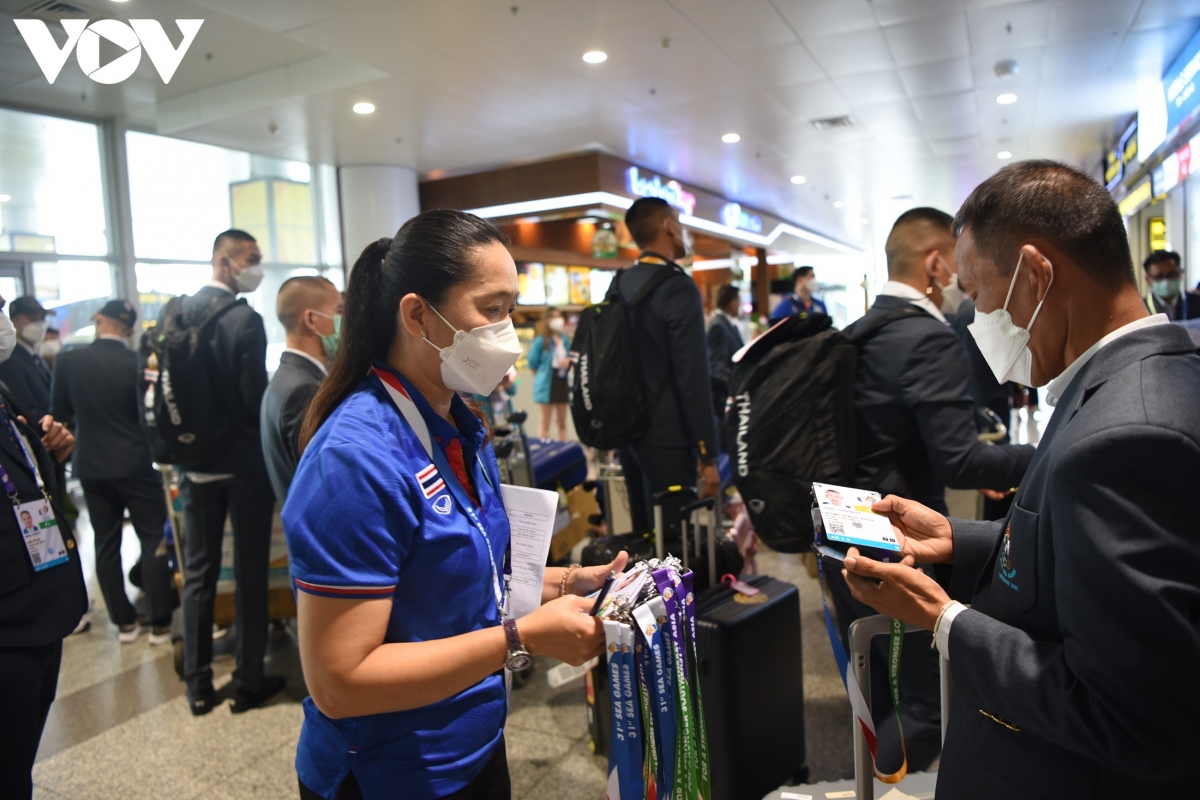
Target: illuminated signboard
x,y
1138,196
1179,84
1120,156
671,191
1158,233
735,216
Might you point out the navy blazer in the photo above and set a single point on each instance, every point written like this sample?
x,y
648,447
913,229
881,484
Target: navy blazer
x,y
673,361
95,391
36,608
913,406
28,380
724,339
283,408
1084,631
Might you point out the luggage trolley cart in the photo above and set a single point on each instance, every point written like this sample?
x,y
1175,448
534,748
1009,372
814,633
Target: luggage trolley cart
x,y
864,786
281,601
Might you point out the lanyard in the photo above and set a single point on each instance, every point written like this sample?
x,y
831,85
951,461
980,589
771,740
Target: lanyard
x,y
9,487
408,409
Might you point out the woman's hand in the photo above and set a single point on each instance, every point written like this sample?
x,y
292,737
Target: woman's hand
x,y
898,590
563,629
586,580
921,532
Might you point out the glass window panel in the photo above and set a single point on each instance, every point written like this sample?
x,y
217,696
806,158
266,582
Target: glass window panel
x,y
50,179
73,291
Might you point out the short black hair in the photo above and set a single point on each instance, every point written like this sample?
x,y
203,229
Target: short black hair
x,y
643,218
1161,256
802,272
1048,200
934,216
727,294
233,234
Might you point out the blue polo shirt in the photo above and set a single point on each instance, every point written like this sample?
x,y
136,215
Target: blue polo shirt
x,y
791,304
365,518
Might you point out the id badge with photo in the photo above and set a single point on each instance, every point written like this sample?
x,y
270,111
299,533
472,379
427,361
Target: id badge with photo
x,y
40,531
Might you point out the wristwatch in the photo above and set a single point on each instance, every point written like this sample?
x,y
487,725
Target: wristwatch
x,y
518,657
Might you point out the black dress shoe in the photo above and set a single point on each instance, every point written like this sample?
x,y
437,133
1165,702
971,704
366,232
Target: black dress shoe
x,y
244,701
201,702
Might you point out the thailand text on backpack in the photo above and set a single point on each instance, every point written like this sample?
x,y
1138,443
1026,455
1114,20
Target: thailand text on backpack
x,y
790,421
180,416
609,403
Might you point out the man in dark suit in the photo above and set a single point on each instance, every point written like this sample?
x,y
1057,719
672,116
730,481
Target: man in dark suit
x,y
95,392
724,339
25,373
1074,667
234,483
673,363
1165,293
38,607
917,435
310,310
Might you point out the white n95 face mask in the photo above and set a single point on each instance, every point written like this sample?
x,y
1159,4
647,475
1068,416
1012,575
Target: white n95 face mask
x,y
249,278
8,338
477,360
952,296
1004,345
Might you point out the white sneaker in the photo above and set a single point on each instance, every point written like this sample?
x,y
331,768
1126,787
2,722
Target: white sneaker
x,y
128,634
159,635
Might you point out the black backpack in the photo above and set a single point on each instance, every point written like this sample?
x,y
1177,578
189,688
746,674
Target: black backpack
x,y
609,404
790,421
181,417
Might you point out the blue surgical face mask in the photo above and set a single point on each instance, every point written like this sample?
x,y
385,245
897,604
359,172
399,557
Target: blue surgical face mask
x,y
330,342
1165,288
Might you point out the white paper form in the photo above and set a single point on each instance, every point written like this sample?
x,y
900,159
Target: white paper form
x,y
531,520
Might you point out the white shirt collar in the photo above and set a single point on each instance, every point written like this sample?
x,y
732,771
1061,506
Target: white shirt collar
x,y
303,354
33,351
903,290
1057,387
221,286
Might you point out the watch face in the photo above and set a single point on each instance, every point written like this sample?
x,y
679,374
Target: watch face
x,y
518,661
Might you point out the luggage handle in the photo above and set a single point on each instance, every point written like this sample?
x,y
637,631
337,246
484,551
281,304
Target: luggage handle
x,y
862,632
659,536
714,528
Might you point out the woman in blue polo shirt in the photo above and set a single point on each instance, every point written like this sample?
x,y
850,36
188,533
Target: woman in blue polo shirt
x,y
398,534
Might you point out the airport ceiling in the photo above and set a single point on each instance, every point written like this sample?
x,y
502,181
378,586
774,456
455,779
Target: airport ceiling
x,y
462,85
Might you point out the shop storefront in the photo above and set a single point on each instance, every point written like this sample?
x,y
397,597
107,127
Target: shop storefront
x,y
565,219
1150,167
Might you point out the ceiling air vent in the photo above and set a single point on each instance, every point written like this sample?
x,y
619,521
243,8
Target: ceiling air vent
x,y
832,122
54,10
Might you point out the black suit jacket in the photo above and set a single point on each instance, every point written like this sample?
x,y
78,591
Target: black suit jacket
x,y
1193,306
673,361
724,339
95,391
283,407
36,608
238,344
28,380
1085,625
913,404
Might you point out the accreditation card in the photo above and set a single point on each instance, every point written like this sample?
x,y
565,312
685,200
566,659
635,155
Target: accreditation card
x,y
849,519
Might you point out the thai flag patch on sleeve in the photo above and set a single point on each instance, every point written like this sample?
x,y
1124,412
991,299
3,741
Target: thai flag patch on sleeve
x,y
431,482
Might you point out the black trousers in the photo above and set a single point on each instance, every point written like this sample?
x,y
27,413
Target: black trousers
x,y
250,503
106,502
649,470
28,682
920,687
492,783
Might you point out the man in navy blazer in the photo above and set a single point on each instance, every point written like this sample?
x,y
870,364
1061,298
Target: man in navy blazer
x,y
1074,666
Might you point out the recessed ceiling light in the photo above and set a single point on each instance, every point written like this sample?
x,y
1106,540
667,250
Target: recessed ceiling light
x,y
838,204
4,198
595,56
586,220
731,138
1004,155
1006,99
364,108
798,179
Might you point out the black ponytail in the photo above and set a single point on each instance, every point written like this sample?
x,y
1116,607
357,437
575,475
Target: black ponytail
x,y
431,253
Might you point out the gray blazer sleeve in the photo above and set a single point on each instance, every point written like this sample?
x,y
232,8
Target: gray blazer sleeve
x,y
1117,685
